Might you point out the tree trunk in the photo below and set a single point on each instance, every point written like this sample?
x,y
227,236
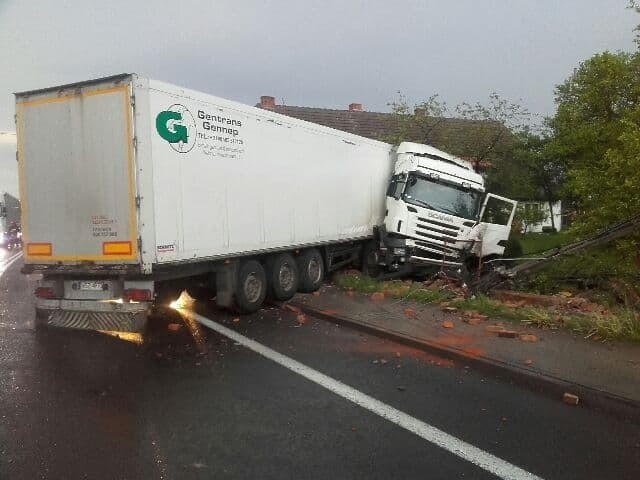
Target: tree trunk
x,y
553,221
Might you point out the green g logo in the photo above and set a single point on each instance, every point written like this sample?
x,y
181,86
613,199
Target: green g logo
x,y
177,126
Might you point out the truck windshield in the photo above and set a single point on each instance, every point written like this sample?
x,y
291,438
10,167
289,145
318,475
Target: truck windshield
x,y
442,197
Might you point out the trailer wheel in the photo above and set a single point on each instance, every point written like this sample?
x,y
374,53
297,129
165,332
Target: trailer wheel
x,y
251,287
282,272
311,268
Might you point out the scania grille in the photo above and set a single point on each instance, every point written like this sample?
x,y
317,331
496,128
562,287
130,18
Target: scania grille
x,y
436,232
436,254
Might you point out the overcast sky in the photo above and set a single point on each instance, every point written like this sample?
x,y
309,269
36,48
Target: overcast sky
x,y
322,53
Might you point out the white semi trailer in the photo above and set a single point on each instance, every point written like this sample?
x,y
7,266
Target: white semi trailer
x,y
133,189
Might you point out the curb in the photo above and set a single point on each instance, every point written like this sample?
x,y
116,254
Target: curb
x,y
548,385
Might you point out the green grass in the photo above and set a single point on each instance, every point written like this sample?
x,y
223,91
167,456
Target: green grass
x,y
486,306
621,324
395,289
535,243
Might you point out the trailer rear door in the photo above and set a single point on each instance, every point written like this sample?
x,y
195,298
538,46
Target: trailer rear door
x,y
76,168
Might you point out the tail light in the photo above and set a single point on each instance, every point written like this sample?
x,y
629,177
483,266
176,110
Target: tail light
x,y
45,292
137,295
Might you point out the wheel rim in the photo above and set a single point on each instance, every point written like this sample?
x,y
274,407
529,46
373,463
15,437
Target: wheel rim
x,y
252,287
314,270
285,277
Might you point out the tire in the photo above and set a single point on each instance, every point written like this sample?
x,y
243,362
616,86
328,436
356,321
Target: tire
x,y
311,271
283,277
251,286
370,257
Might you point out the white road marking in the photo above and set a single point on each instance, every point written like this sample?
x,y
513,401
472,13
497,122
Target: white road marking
x,y
492,464
7,263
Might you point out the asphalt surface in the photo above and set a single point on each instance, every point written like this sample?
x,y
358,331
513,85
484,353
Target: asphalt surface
x,y
78,404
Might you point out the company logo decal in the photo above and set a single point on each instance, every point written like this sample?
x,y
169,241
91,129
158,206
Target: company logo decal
x,y
218,134
177,126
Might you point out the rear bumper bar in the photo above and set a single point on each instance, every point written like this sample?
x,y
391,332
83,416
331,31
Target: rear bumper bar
x,y
93,315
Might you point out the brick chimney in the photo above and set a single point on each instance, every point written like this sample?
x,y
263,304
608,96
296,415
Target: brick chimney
x,y
355,107
267,102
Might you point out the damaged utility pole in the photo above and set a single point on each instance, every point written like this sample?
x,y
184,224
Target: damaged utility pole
x,y
496,277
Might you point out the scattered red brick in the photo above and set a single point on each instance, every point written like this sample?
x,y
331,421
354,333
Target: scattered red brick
x,y
494,328
397,354
316,294
447,324
528,362
291,308
350,293
301,319
377,297
527,337
508,334
174,327
410,312
570,399
474,320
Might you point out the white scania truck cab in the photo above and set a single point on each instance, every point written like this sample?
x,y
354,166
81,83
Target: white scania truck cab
x,y
438,213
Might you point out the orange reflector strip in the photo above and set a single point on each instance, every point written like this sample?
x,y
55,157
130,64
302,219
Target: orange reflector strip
x,y
41,249
116,248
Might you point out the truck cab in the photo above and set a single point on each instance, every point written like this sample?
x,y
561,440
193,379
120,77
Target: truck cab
x,y
438,213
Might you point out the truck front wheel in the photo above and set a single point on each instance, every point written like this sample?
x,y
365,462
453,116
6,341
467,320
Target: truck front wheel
x,y
283,276
311,268
251,287
371,259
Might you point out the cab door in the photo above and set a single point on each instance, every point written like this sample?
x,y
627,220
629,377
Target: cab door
x,y
496,217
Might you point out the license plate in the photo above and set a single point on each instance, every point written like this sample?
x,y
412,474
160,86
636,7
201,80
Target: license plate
x,y
91,286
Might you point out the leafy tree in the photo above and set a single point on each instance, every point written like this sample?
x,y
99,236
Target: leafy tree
x,y
485,134
546,171
594,134
419,123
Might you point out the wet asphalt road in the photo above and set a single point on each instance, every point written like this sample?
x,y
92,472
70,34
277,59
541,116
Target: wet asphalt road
x,y
84,405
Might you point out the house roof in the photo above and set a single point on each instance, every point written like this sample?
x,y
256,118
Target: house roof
x,y
450,134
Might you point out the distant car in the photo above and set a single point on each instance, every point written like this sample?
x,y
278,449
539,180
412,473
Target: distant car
x,y
11,240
